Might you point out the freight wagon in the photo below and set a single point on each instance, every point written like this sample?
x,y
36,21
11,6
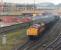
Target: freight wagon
x,y
37,19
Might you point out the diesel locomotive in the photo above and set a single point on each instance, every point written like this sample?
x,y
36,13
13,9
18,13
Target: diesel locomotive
x,y
39,26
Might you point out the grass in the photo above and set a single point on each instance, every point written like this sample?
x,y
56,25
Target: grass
x,y
12,38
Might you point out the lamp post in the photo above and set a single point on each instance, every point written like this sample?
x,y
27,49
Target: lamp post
x,y
34,6
4,39
34,11
3,34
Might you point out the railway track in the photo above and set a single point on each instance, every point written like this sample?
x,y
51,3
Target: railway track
x,y
24,46
14,27
41,43
55,45
34,44
28,45
54,33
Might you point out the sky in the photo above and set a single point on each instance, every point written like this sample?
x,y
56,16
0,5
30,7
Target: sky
x,y
32,1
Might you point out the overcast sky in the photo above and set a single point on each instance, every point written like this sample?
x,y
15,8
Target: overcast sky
x,y
32,1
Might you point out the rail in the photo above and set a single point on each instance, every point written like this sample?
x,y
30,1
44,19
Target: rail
x,y
41,43
13,27
56,43
35,44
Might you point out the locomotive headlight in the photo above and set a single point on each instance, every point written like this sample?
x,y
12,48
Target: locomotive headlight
x,y
42,24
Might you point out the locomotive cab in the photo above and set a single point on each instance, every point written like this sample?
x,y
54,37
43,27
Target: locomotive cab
x,y
35,30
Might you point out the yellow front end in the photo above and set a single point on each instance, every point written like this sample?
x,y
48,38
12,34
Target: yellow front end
x,y
32,32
